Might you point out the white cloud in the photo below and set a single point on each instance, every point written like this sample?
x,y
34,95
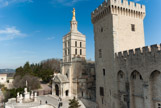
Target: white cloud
x,y
66,2
50,38
10,33
4,3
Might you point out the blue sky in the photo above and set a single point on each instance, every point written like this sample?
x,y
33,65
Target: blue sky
x,y
32,30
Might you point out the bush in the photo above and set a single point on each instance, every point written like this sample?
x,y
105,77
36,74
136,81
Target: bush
x,y
73,103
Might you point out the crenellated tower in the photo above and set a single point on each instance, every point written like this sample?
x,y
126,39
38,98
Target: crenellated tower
x,y
118,26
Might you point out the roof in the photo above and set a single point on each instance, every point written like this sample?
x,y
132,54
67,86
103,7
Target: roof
x,y
3,75
60,78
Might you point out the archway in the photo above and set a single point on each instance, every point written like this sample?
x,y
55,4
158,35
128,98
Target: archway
x,y
122,89
67,92
136,89
57,90
155,88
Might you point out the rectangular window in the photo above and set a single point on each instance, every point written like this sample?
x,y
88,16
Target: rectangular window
x,y
101,29
75,43
100,53
75,51
101,91
104,72
132,27
80,44
80,51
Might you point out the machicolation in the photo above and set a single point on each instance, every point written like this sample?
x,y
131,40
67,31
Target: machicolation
x,y
122,7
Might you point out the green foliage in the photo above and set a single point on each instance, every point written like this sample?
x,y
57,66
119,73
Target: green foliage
x,y
73,103
11,93
43,70
1,86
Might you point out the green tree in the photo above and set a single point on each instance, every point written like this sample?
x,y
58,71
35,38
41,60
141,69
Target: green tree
x,y
73,103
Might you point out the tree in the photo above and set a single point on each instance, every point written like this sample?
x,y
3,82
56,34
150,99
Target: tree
x,y
33,82
44,70
73,103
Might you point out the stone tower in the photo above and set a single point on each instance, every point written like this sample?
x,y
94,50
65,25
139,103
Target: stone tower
x,y
74,43
74,48
118,26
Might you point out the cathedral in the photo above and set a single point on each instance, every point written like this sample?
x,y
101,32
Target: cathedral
x,y
77,76
128,73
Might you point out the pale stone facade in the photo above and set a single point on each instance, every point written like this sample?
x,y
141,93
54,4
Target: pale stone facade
x,y
3,78
77,77
125,78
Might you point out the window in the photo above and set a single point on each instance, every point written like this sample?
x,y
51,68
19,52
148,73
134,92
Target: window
x,y
104,72
101,91
101,29
80,51
80,44
67,75
75,43
132,27
100,53
65,52
68,51
158,105
75,51
141,77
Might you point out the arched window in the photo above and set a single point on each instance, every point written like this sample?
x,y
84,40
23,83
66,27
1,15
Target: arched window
x,y
75,51
75,43
80,44
80,51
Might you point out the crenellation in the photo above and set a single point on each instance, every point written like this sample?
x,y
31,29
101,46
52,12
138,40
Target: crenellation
x,y
146,49
155,48
119,7
139,51
131,52
138,6
132,5
120,54
125,53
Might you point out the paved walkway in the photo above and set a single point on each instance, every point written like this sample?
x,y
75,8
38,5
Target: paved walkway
x,y
52,100
41,100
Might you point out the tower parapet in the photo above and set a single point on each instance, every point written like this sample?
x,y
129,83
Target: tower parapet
x,y
122,7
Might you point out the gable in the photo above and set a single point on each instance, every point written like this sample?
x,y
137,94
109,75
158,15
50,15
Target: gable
x,y
56,79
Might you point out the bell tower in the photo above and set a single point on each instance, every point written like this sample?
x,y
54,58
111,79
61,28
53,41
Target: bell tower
x,y
74,43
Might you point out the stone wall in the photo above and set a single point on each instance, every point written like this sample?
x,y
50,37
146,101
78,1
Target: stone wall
x,y
141,69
